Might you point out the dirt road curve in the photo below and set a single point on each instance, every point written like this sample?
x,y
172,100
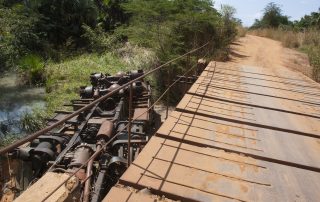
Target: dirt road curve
x,y
263,52
246,130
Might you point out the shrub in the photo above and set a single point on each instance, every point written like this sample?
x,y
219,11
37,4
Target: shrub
x,y
8,139
98,40
241,31
32,67
314,56
290,39
32,121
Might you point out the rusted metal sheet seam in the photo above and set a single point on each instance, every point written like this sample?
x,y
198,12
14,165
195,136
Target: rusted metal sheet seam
x,y
250,92
249,123
253,105
264,158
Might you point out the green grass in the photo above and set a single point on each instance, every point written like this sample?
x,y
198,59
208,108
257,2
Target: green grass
x,y
314,58
8,139
65,78
32,67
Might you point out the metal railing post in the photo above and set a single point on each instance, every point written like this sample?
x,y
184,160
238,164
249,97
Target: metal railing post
x,y
129,125
167,98
167,107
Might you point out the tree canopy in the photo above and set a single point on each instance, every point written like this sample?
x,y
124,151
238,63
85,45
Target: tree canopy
x,y
169,27
272,17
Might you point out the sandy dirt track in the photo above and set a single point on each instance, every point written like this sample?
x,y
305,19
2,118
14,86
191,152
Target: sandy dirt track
x,y
263,52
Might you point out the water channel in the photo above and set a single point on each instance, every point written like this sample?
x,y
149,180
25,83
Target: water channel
x,y
15,100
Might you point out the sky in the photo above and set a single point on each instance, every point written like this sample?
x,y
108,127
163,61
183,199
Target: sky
x,y
248,10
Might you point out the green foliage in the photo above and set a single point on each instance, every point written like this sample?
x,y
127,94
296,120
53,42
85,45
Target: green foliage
x,y
309,21
64,79
170,28
32,67
231,24
18,35
33,121
98,40
8,139
111,14
272,17
314,57
151,31
29,122
62,20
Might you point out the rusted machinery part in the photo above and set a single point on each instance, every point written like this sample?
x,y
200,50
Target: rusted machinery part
x,y
89,106
81,155
117,159
97,152
86,192
81,175
106,130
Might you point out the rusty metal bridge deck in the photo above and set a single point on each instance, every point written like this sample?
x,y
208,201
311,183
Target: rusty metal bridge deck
x,y
239,134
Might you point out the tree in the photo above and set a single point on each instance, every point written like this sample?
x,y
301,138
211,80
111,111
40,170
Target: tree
x,y
171,27
18,34
62,19
229,20
272,17
112,14
309,21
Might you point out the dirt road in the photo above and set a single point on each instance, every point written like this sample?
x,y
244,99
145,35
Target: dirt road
x,y
263,52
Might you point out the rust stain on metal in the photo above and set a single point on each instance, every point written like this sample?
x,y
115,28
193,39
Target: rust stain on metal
x,y
105,131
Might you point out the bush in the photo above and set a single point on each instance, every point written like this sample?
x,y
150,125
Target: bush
x,y
98,40
33,121
8,139
314,56
241,31
137,57
290,39
32,67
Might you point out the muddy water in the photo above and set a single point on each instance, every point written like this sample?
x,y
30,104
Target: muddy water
x,y
16,100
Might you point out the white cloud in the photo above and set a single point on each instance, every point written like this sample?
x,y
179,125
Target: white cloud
x,y
257,15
